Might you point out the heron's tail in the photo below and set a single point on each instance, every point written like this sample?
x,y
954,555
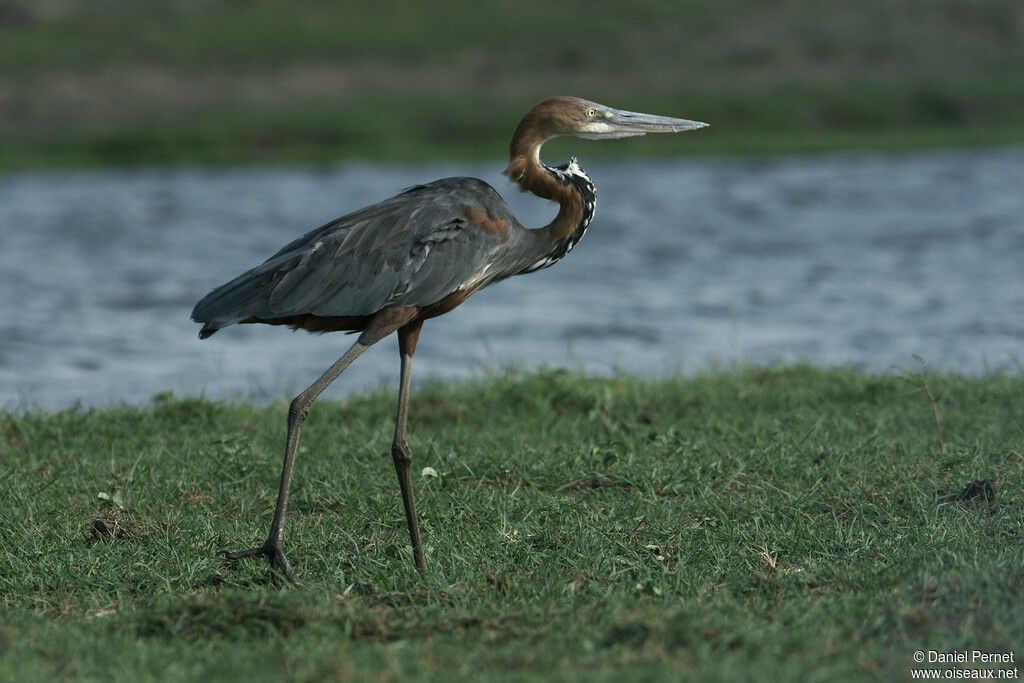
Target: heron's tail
x,y
244,297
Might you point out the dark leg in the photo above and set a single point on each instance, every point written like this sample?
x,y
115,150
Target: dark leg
x,y
407,338
381,325
297,412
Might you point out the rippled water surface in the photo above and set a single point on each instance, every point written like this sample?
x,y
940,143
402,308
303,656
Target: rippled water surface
x,y
867,260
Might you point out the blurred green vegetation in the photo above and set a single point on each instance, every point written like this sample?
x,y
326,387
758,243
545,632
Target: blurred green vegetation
x,y
212,81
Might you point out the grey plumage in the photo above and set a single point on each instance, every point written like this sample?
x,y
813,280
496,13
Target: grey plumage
x,y
410,250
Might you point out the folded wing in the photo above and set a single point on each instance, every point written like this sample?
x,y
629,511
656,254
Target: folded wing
x,y
410,250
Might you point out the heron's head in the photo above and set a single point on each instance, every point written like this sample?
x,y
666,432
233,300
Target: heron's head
x,y
558,116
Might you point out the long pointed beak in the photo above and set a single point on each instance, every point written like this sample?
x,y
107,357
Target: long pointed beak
x,y
635,123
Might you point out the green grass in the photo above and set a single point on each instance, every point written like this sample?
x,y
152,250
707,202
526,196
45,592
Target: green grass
x,y
791,523
121,82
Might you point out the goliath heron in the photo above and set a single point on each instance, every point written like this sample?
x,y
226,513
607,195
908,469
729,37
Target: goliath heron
x,y
417,255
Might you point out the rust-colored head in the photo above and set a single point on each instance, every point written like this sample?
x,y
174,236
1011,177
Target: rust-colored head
x,y
553,117
557,116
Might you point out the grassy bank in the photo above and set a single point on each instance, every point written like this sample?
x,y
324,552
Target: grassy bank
x,y
121,82
796,522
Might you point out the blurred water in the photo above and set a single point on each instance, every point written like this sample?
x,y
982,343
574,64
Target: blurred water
x,y
864,260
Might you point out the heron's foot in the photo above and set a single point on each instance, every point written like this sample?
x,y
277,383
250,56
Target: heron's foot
x,y
272,551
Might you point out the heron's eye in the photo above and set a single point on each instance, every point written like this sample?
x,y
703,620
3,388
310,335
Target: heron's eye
x,y
591,113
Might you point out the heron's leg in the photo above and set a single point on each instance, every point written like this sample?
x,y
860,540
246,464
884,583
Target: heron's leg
x,y
383,323
407,338
297,412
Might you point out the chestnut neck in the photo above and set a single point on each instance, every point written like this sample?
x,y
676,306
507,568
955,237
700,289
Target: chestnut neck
x,y
568,185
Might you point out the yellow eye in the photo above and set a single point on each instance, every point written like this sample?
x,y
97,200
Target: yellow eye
x,y
591,113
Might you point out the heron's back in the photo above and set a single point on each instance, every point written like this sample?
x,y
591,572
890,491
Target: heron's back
x,y
413,249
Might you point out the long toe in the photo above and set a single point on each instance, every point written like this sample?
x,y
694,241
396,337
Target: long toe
x,y
238,555
281,564
278,562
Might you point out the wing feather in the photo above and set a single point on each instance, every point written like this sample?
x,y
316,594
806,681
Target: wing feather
x,y
410,250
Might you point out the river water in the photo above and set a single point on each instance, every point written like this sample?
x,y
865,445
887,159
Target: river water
x,y
879,262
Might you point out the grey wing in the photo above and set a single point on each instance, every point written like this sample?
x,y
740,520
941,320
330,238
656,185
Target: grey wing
x,y
411,250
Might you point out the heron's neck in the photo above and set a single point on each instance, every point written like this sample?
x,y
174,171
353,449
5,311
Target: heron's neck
x,y
568,185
